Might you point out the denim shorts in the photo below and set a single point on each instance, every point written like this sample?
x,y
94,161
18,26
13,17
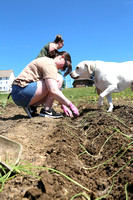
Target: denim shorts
x,y
23,95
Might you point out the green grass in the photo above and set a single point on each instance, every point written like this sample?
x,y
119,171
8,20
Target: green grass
x,y
90,94
81,94
3,102
3,97
76,95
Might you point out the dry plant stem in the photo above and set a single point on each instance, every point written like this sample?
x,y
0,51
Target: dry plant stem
x,y
106,162
72,134
116,118
123,153
123,134
30,166
106,141
98,136
126,191
26,168
82,122
81,194
121,168
85,151
107,193
88,130
23,168
58,172
90,133
74,127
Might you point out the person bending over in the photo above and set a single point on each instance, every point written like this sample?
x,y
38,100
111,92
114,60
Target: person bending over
x,y
50,49
39,84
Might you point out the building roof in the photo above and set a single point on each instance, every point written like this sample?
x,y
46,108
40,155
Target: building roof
x,y
5,73
83,80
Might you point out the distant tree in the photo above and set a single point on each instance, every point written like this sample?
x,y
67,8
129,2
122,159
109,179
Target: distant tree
x,y
64,84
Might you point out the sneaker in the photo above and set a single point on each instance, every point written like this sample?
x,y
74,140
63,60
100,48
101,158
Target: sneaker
x,y
50,113
31,111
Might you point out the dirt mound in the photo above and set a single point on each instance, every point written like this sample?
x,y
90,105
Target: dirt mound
x,y
91,156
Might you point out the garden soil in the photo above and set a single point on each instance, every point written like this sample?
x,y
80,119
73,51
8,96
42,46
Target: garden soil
x,y
85,158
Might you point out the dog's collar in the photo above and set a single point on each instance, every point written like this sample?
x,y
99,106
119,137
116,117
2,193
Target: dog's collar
x,y
93,74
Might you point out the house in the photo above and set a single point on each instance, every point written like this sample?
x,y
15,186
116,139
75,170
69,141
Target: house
x,y
6,79
83,83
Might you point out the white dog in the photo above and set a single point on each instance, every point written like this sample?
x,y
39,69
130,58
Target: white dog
x,y
109,77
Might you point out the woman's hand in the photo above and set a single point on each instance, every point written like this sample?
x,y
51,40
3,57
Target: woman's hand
x,y
74,110
67,111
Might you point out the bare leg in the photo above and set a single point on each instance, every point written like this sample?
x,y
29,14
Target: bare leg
x,y
42,96
40,93
49,99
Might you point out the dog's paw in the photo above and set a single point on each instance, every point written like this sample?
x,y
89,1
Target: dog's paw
x,y
110,110
100,104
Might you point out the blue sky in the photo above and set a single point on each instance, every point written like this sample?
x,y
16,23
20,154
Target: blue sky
x,y
91,29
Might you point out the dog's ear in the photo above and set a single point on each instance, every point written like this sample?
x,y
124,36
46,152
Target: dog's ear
x,y
89,68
